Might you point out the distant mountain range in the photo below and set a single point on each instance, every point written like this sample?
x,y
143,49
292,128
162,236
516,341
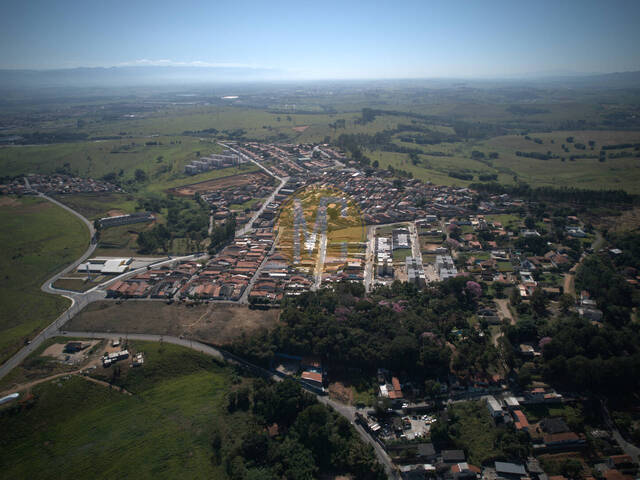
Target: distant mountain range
x,y
183,75
129,76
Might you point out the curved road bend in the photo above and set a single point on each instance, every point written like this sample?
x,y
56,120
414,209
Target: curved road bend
x,y
78,300
48,285
347,411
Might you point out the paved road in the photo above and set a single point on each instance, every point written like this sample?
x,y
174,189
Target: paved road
x,y
78,301
416,251
244,299
249,225
47,286
319,269
629,449
346,411
283,180
370,256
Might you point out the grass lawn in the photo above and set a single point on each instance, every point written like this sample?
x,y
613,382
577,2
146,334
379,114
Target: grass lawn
x,y
535,413
505,267
243,206
120,240
506,219
474,431
75,284
400,254
77,429
553,279
97,205
386,230
38,239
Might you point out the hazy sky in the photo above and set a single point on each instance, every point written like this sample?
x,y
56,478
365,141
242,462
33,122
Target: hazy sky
x,y
327,39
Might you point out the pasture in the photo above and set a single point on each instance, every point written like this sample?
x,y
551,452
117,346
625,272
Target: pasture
x,y
163,431
38,238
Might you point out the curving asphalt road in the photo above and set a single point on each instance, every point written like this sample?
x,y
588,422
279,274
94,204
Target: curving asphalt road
x,y
48,285
347,411
78,300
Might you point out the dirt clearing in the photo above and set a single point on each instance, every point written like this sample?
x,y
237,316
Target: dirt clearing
x,y
219,183
215,323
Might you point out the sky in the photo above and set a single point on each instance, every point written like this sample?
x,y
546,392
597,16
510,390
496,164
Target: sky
x,y
327,39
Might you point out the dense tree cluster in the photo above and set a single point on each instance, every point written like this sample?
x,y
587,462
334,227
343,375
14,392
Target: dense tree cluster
x,y
291,436
222,234
399,327
185,219
613,294
576,195
584,357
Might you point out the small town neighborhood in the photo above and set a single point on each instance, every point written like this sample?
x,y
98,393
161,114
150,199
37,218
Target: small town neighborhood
x,y
406,231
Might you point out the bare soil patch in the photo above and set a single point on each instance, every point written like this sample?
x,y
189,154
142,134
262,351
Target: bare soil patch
x,y
301,128
57,351
8,202
115,213
218,184
215,323
338,391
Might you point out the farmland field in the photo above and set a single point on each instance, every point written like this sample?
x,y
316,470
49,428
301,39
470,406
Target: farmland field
x,y
188,190
437,161
38,238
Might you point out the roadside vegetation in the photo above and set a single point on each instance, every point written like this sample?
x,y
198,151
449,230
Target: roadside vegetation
x,y
238,427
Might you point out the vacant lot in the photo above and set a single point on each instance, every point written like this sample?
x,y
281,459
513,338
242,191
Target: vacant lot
x,y
219,183
37,239
79,429
216,323
99,205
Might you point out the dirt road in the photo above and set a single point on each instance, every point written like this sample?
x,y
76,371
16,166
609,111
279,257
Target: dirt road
x,y
503,310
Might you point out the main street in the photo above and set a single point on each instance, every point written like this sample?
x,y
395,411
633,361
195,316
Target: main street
x,y
283,180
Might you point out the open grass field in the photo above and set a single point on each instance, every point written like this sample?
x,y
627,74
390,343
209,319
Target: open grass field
x,y
216,323
75,284
38,238
99,205
400,254
76,428
436,161
256,123
97,158
583,173
475,431
121,240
